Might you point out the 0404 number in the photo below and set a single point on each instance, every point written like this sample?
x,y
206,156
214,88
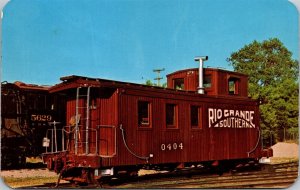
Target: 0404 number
x,y
171,146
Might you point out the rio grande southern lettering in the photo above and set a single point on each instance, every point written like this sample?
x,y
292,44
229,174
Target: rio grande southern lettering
x,y
230,118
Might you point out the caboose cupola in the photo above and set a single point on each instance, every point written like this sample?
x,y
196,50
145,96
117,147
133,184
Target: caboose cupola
x,y
214,82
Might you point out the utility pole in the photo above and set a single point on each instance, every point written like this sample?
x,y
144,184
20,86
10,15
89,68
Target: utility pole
x,y
158,78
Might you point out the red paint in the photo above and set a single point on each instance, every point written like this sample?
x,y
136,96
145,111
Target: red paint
x,y
116,103
219,81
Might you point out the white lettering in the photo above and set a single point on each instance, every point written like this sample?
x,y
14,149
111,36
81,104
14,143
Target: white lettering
x,y
210,117
230,118
219,114
237,113
226,113
247,115
251,118
231,112
242,114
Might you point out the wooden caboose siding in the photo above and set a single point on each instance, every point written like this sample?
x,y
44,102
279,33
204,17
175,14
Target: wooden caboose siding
x,y
198,144
188,96
222,79
103,111
107,115
144,141
234,143
116,104
191,80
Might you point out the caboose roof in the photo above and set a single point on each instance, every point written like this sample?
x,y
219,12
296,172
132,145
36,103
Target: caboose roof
x,y
23,86
74,81
206,69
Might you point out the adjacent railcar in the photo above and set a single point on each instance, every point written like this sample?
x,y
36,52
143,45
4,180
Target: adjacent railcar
x,y
26,110
115,127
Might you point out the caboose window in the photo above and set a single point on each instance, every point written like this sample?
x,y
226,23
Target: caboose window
x,y
179,84
207,81
171,113
195,117
233,86
144,114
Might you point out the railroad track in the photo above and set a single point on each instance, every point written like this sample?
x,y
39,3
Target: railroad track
x,y
247,181
270,176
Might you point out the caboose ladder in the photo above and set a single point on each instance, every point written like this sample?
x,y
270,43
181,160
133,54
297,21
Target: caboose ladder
x,y
79,110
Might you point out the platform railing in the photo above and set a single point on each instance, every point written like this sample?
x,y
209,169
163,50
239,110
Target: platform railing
x,y
51,142
58,140
87,144
64,139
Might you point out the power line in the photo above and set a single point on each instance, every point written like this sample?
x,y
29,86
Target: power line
x,y
158,78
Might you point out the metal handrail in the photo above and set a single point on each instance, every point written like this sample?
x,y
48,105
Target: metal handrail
x,y
86,141
66,130
129,150
50,134
53,140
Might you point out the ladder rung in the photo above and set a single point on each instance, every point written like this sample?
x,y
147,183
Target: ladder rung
x,y
85,105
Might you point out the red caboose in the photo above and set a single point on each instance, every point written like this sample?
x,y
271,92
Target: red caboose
x,y
116,126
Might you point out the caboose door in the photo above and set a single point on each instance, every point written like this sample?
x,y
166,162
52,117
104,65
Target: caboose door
x,y
107,141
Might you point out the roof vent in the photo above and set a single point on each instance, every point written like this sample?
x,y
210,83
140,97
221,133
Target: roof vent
x,y
201,59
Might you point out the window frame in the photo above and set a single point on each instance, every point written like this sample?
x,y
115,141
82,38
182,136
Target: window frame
x,y
145,125
199,126
174,125
208,76
236,85
181,80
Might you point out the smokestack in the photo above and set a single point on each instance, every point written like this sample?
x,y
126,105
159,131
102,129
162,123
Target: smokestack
x,y
201,59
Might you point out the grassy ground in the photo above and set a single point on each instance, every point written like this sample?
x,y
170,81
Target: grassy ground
x,y
27,181
28,177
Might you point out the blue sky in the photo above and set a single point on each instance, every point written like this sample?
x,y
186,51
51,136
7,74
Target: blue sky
x,y
43,40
